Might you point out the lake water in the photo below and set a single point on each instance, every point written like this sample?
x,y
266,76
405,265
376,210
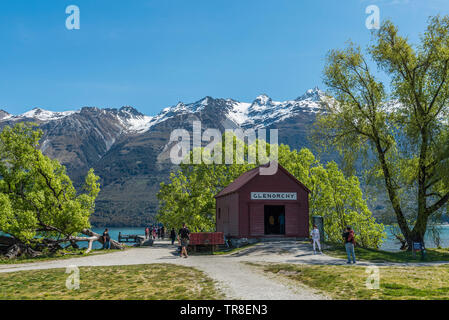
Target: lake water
x,y
391,244
113,232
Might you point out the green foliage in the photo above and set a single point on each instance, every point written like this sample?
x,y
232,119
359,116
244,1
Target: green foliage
x,y
37,198
401,135
189,196
339,200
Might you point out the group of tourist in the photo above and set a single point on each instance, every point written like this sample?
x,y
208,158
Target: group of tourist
x,y
154,232
348,238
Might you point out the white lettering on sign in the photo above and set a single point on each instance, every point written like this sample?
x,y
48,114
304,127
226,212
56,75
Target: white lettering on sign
x,y
274,196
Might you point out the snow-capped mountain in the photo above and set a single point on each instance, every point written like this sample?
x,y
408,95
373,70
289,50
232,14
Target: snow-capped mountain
x,y
4,115
128,149
43,115
262,112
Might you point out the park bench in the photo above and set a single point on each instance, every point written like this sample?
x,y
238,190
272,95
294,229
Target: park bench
x,y
206,240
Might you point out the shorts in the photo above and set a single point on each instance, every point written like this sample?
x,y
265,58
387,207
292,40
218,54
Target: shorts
x,y
184,242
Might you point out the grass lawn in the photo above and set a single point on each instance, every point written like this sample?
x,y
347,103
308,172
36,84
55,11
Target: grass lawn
x,y
140,282
385,256
349,282
61,254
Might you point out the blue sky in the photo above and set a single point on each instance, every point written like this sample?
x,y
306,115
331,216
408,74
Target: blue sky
x,y
150,54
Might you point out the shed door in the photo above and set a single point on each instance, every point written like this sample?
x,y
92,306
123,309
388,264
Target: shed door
x,y
256,220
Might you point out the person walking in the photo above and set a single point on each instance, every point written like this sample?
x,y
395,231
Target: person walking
x,y
349,239
159,232
173,236
106,239
154,233
315,234
163,233
184,237
147,232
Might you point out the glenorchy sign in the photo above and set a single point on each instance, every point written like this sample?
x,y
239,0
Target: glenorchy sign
x,y
274,196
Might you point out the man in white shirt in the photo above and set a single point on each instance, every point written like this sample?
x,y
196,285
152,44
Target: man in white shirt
x,y
315,234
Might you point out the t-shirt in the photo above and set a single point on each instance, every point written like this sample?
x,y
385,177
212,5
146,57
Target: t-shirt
x,y
348,238
106,236
184,233
315,234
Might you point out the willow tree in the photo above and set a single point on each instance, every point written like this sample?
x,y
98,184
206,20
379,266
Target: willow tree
x,y
401,133
335,197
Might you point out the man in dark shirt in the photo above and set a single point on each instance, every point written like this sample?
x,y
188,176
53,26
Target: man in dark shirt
x,y
184,237
106,239
348,236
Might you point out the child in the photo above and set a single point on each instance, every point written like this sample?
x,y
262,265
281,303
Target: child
x,y
315,234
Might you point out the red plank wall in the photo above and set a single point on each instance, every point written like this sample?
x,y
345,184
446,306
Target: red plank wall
x,y
246,216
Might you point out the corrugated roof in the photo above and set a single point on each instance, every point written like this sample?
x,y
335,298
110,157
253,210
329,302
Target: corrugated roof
x,y
248,176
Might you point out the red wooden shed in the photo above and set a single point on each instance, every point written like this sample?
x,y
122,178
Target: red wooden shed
x,y
264,206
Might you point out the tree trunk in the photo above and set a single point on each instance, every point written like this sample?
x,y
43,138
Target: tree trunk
x,y
13,248
8,241
418,232
19,249
114,244
74,245
392,193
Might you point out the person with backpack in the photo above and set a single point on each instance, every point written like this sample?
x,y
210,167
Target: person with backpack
x,y
184,237
315,235
349,239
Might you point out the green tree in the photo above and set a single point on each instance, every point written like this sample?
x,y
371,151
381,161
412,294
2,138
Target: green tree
x,y
37,198
189,195
338,199
401,135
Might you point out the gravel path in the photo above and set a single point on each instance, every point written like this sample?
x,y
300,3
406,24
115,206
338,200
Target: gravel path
x,y
234,277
